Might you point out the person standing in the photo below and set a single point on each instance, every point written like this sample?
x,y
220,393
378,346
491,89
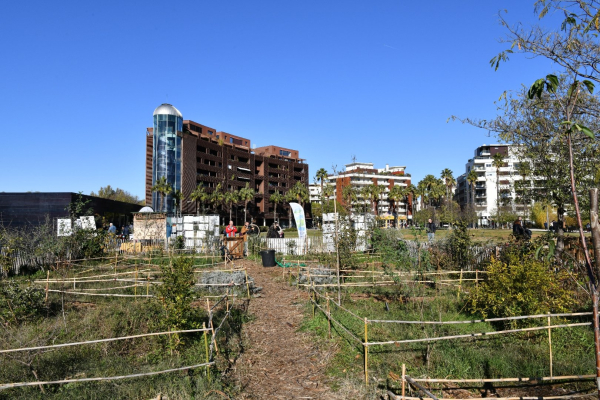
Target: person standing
x,y
230,230
430,227
518,230
112,229
244,232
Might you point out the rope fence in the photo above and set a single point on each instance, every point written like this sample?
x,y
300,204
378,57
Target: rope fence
x,y
366,343
408,381
209,353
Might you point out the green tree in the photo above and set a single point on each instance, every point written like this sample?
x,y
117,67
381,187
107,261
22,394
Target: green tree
x,y
246,195
216,197
498,162
117,194
396,194
177,199
321,176
229,199
276,198
199,196
163,188
350,196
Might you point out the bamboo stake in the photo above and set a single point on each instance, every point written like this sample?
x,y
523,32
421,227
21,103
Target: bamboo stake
x,y
313,298
247,284
476,278
212,327
135,281
403,380
206,348
147,283
328,317
47,282
460,284
550,343
366,350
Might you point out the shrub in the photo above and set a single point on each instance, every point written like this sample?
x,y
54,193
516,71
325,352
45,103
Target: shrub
x,y
19,304
521,286
176,295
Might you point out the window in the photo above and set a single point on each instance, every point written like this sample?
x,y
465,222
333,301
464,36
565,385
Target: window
x,y
231,140
284,153
211,132
217,136
488,165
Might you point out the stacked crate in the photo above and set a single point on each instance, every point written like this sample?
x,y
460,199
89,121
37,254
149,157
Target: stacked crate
x,y
198,231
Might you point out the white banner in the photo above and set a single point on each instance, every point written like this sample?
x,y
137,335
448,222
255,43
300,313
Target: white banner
x,y
300,220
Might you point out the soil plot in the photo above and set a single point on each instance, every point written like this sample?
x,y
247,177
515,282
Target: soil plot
x,y
279,362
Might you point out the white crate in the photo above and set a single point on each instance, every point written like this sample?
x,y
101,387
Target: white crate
x,y
188,227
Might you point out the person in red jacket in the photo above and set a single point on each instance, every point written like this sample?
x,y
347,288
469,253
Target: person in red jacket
x,y
230,230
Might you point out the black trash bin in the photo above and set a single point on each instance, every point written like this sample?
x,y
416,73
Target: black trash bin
x,y
268,258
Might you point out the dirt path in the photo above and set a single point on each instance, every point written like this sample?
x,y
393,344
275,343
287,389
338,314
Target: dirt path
x,y
279,362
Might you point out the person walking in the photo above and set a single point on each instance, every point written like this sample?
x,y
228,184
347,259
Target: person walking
x,y
230,230
430,227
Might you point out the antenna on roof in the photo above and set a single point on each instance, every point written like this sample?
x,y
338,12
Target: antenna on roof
x,y
353,158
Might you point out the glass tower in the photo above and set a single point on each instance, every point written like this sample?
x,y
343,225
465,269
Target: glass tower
x,y
166,154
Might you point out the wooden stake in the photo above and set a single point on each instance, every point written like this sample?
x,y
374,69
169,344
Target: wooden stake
x,y
403,380
550,345
366,350
135,281
247,284
206,348
460,283
147,283
328,317
477,278
47,282
312,294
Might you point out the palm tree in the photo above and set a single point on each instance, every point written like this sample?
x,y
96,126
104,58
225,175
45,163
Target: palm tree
x,y
498,162
246,195
163,188
199,195
216,197
177,197
448,179
289,197
411,189
349,195
373,193
472,179
396,194
321,176
275,198
229,198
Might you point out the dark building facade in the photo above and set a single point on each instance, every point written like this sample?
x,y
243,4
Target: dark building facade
x,y
22,210
210,157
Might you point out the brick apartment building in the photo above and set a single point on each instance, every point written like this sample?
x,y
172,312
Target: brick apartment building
x,y
197,154
360,175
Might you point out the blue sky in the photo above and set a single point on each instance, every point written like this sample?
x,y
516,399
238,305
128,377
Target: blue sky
x,y
333,79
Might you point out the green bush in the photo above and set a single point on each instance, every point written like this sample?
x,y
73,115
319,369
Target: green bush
x,y
521,286
19,304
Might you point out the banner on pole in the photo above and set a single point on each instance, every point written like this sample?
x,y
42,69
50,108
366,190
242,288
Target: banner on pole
x,y
299,218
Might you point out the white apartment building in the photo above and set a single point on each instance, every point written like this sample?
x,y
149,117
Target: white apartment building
x,y
486,200
360,175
